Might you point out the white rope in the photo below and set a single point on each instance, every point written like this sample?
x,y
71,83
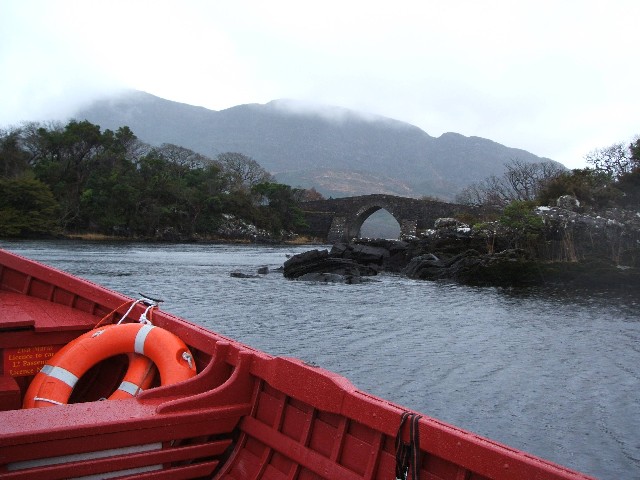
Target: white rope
x,y
129,311
143,317
40,399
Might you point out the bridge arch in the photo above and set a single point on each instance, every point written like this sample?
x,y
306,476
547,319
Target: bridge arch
x,y
379,224
355,222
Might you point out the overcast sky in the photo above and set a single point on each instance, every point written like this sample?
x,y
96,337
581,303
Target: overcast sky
x,y
556,78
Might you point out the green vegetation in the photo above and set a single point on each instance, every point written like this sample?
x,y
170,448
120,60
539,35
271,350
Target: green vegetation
x,y
76,179
522,225
27,207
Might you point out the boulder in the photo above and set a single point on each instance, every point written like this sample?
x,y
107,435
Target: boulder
x,y
319,261
363,254
568,202
423,267
379,254
237,274
306,262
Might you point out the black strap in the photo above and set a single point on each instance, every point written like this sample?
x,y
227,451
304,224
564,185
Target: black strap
x,y
408,454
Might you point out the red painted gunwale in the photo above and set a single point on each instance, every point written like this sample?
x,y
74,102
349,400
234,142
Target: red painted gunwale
x,y
246,415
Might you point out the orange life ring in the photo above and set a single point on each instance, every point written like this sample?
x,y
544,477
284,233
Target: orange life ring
x,y
55,381
138,378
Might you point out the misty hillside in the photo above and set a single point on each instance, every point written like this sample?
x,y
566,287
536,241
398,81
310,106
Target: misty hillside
x,y
338,151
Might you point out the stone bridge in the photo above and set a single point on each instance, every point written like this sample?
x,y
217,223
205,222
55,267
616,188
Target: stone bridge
x,y
340,219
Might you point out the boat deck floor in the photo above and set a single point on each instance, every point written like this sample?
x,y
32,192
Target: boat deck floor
x,y
20,312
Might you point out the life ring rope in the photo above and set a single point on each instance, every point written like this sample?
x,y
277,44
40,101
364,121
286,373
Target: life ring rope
x,y
48,400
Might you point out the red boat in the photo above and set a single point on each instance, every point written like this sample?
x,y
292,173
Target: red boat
x,y
185,402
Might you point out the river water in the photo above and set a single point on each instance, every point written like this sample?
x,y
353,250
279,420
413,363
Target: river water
x,y
553,373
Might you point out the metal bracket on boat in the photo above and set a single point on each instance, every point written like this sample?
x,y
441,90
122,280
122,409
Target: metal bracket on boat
x,y
148,300
187,356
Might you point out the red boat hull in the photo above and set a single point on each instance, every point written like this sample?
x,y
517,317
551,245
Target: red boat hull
x,y
245,415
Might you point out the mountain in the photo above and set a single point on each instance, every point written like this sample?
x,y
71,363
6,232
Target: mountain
x,y
338,151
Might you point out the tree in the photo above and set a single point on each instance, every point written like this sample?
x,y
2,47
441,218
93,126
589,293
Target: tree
x,y
14,161
27,207
109,197
629,183
109,182
243,172
614,179
64,160
279,205
161,188
32,141
308,195
634,149
614,160
203,190
522,224
593,188
183,156
521,181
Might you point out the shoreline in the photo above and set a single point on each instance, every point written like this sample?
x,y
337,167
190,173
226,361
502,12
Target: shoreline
x,y
95,237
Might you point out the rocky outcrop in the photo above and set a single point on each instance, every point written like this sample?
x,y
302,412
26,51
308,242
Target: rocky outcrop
x,y
231,229
571,248
507,268
236,229
612,235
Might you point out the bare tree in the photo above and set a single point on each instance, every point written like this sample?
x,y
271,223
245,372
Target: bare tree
x,y
520,181
307,195
243,171
137,149
615,160
31,138
183,156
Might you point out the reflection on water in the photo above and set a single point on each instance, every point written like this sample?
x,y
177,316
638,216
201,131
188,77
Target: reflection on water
x,y
552,372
